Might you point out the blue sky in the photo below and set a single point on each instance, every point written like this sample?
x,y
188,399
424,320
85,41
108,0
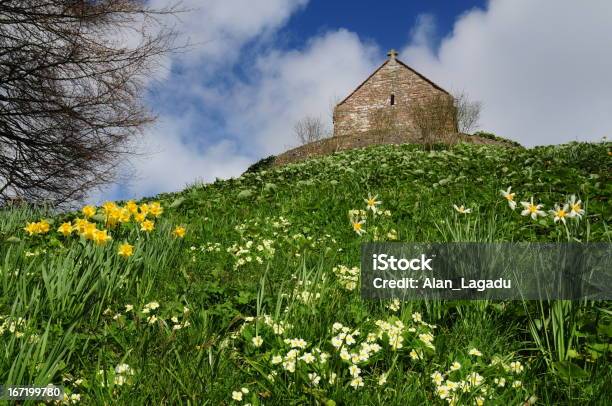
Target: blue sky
x,y
255,67
388,22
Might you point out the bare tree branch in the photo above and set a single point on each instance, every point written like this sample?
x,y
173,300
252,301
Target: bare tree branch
x,y
72,75
468,113
310,129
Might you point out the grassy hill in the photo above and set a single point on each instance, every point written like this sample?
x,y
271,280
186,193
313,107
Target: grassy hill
x,y
255,303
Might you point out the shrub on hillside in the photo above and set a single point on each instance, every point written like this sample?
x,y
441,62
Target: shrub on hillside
x,y
261,165
491,136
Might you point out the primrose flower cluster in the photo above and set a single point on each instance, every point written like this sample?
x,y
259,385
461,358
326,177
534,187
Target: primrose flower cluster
x,y
13,325
109,217
259,240
151,315
474,379
346,355
347,277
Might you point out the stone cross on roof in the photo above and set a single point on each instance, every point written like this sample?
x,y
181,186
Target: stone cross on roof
x,y
392,54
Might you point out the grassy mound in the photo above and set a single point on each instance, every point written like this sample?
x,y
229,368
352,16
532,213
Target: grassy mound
x,y
256,302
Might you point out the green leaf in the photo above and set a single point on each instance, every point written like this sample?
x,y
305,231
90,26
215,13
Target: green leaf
x,y
245,194
177,202
568,370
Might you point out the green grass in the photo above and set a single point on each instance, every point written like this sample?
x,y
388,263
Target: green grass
x,y
259,256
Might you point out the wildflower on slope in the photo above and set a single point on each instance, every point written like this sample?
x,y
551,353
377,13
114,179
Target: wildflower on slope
x,y
516,367
357,382
65,229
124,215
560,213
101,237
237,395
109,207
382,380
372,203
179,232
455,366
308,358
462,210
257,341
509,197
31,228
89,231
394,305
126,250
475,352
147,226
533,210
132,207
575,207
354,370
140,217
43,227
144,209
314,378
358,226
475,379
155,209
437,378
442,391
89,211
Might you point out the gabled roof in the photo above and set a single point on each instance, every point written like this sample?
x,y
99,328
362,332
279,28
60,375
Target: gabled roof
x,y
380,67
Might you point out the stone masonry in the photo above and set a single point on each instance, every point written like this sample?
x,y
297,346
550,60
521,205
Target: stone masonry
x,y
389,90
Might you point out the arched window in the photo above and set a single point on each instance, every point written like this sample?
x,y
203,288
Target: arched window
x,y
393,100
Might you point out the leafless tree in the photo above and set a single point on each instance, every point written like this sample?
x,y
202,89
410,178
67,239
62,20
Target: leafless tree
x,y
435,118
310,129
468,113
72,75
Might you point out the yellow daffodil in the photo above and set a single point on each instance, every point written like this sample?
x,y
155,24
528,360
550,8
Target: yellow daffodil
x,y
179,232
126,250
560,213
132,207
89,211
43,226
124,215
89,231
112,216
101,237
65,229
31,228
80,225
144,209
140,217
155,209
575,207
509,197
358,226
533,210
147,226
462,210
108,207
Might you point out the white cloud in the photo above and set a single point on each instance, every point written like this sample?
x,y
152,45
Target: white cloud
x,y
217,29
290,85
541,68
173,162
